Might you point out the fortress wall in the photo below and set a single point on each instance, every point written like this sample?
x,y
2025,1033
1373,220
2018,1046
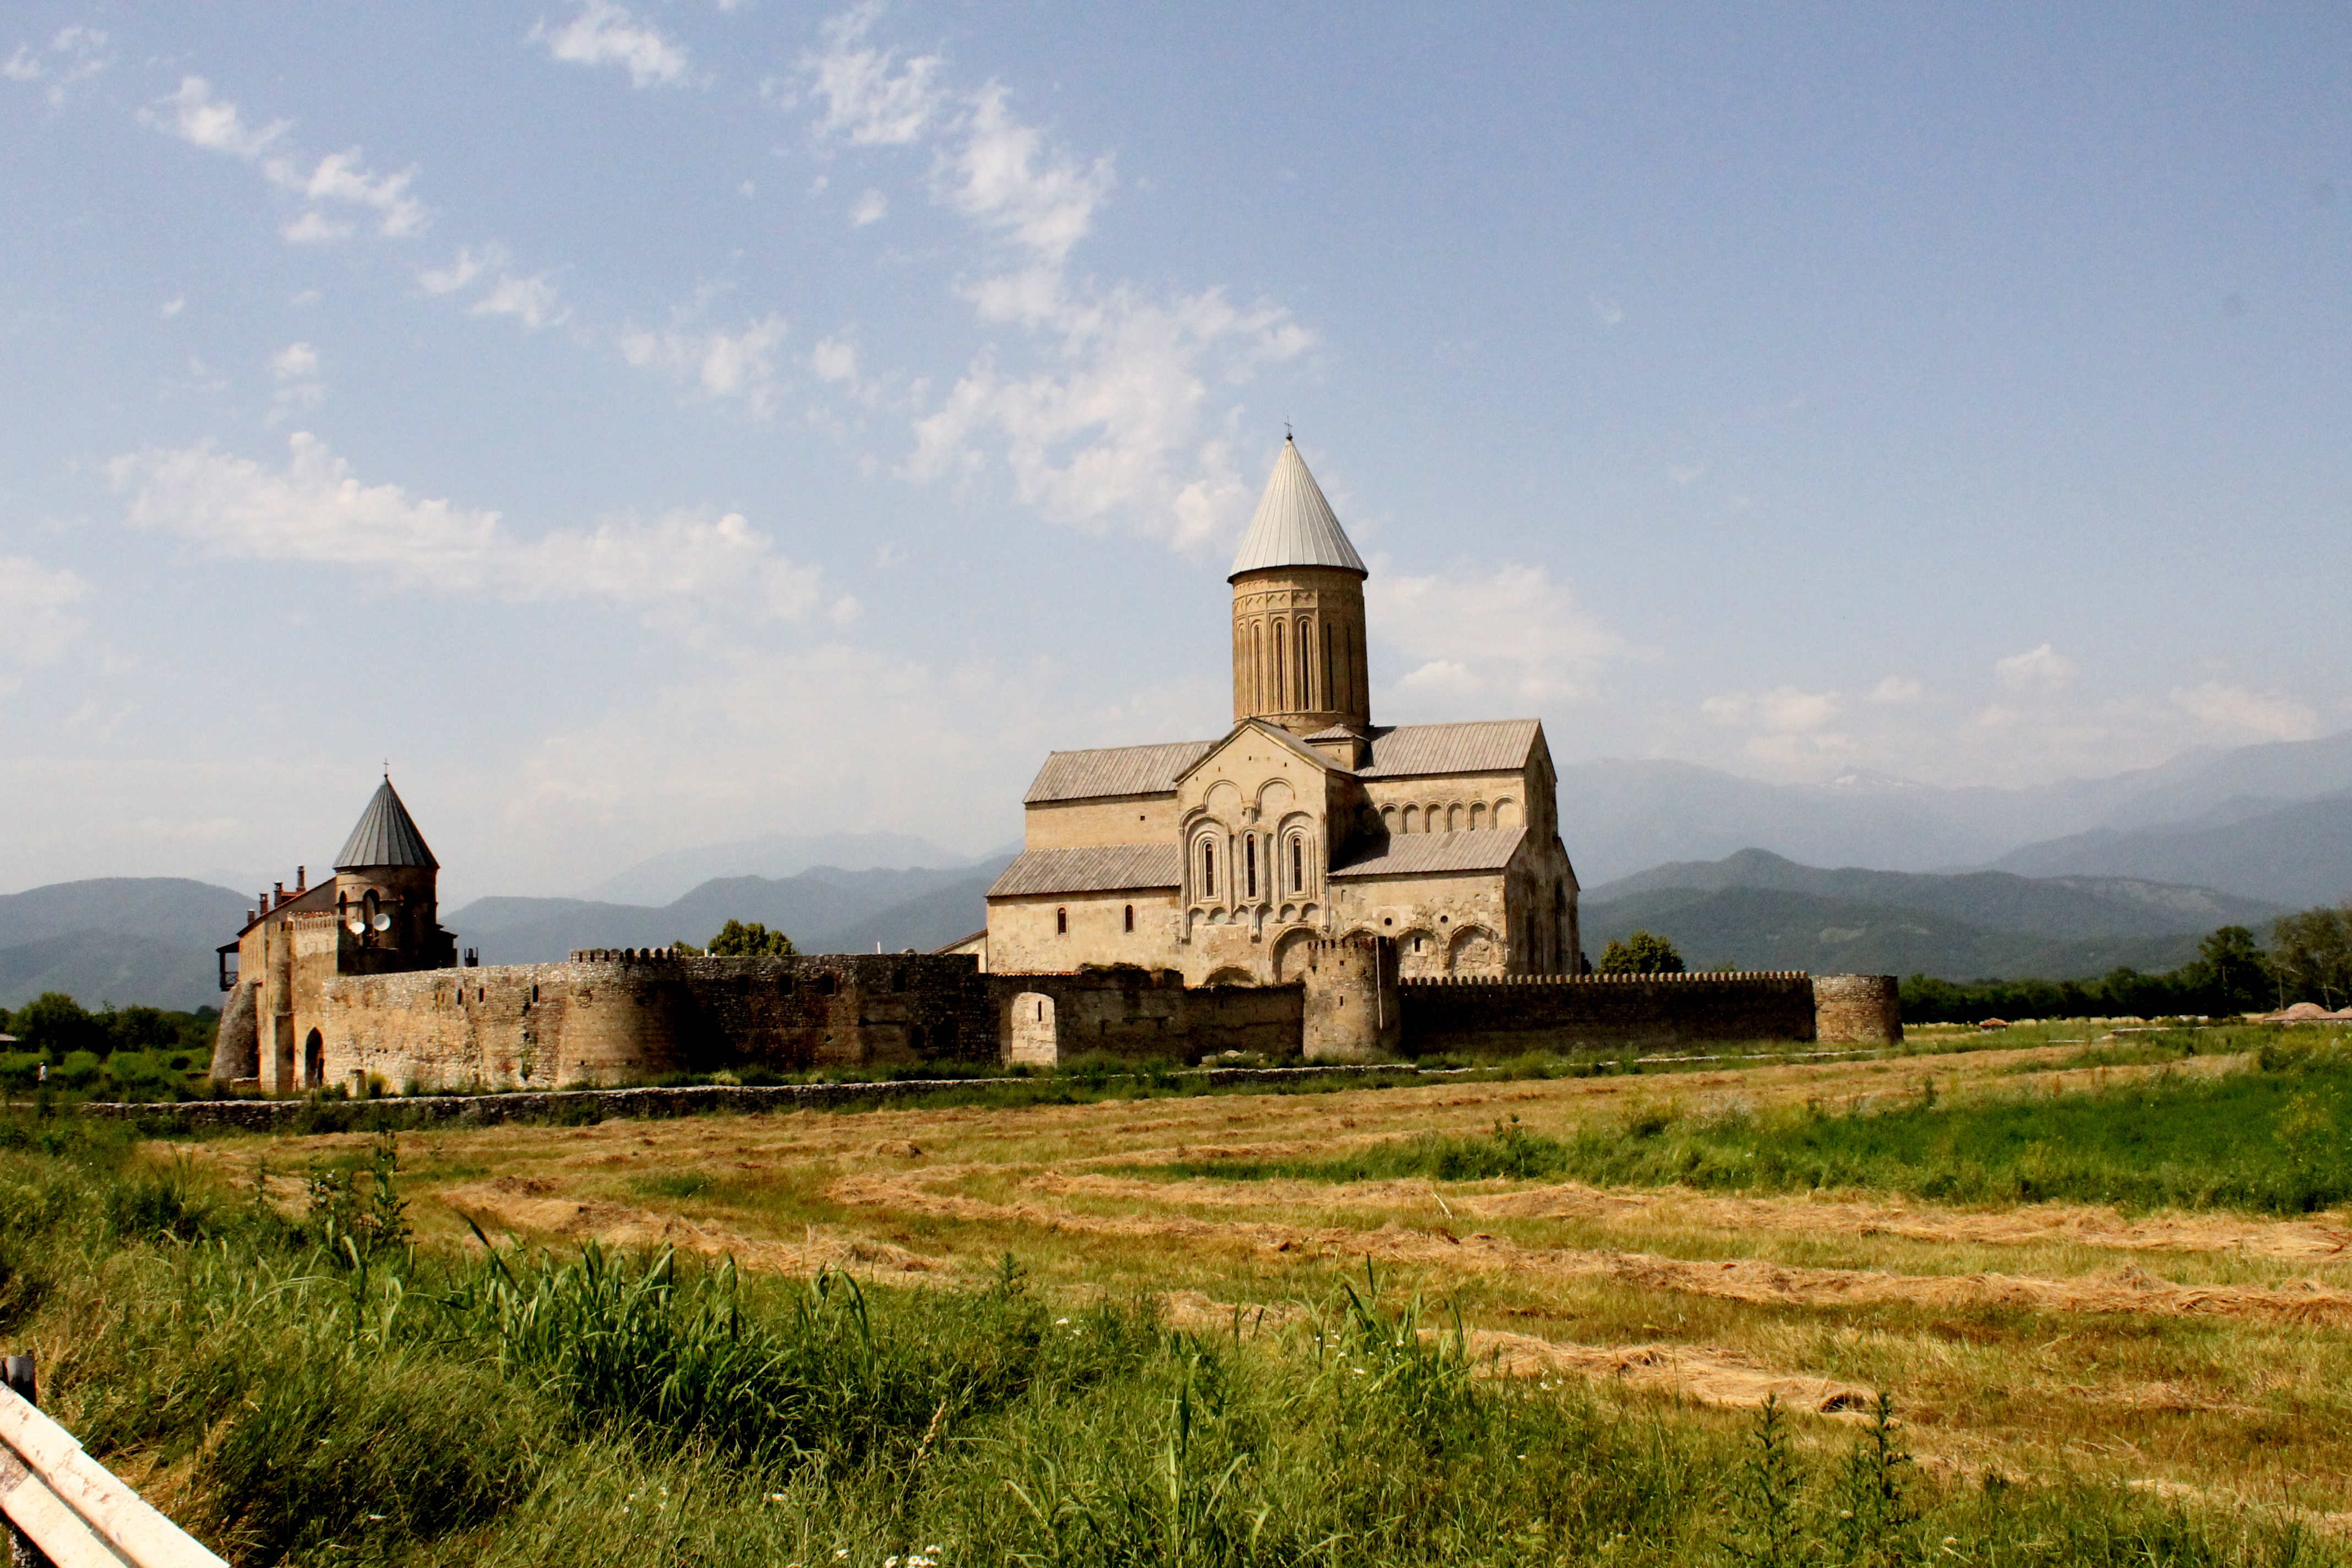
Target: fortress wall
x,y
1140,1014
1857,1009
617,1016
1509,1014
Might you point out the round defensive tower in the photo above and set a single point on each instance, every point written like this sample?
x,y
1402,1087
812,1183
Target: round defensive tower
x,y
1298,611
1350,1002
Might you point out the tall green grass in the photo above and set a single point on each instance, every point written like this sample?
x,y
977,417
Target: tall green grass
x,y
336,1395
2275,1139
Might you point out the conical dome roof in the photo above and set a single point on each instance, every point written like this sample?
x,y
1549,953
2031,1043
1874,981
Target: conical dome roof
x,y
386,836
1295,526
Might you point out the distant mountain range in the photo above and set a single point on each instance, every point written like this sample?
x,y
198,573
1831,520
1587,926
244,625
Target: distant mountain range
x,y
2127,869
825,909
1758,910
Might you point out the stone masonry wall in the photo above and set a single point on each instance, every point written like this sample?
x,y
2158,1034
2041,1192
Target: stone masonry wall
x,y
1513,1013
616,1016
1144,1014
1857,1009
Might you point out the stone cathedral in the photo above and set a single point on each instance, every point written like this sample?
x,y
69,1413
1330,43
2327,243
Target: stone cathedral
x,y
1225,859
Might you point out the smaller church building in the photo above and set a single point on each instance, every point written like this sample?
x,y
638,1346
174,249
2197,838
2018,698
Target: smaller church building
x,y
1226,859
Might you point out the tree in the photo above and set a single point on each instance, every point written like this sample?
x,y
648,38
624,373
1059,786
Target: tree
x,y
55,1023
2230,969
737,940
2311,954
1641,953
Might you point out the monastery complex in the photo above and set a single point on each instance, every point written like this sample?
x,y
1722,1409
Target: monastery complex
x,y
1309,884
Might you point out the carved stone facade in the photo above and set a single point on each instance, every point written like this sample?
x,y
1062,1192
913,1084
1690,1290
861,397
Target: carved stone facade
x,y
1227,860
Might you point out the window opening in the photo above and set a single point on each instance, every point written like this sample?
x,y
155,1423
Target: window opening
x,y
1298,865
1253,866
1131,917
1208,870
1061,922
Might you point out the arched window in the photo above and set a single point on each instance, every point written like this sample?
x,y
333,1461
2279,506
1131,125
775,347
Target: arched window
x,y
1257,667
1252,861
1061,922
1306,666
1412,819
1330,669
1297,864
1131,917
1208,870
1477,816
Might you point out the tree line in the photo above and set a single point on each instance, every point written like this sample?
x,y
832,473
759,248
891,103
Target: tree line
x,y
2306,958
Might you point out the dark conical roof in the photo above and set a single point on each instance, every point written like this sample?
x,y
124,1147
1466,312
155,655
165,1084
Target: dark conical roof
x,y
386,836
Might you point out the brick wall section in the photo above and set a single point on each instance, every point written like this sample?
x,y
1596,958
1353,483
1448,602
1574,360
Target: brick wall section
x,y
1513,1013
1857,1009
1144,1014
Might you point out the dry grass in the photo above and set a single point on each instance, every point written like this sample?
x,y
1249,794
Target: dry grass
x,y
2184,1351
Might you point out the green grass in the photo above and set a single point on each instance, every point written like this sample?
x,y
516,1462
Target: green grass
x,y
332,1393
2276,1138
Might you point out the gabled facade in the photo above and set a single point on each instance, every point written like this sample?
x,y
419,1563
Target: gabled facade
x,y
1223,859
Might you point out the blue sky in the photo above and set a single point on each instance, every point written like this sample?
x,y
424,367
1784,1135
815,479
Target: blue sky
x,y
653,425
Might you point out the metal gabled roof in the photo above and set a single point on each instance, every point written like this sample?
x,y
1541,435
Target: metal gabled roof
x,y
1416,751
1113,770
386,836
1098,869
1435,854
1295,526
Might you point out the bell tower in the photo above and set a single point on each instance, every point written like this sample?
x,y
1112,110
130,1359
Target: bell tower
x,y
1298,611
387,896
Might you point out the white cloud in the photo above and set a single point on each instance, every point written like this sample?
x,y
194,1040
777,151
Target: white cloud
x,y
1896,689
74,56
672,572
2036,670
173,306
869,100
1607,313
463,268
2270,714
605,34
1508,635
1789,727
1005,175
295,369
340,179
201,120
530,300
872,207
33,601
723,366
1104,406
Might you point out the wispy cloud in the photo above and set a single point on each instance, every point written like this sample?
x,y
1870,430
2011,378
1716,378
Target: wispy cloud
x,y
74,55
2270,715
673,572
1103,404
301,388
1510,635
331,187
531,300
737,367
35,605
602,32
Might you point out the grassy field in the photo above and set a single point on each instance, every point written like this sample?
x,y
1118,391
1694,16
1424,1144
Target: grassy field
x,y
1652,1320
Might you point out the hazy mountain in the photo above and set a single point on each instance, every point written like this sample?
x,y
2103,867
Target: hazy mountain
x,y
169,910
827,909
93,967
1768,927
2066,906
1618,816
2297,855
667,878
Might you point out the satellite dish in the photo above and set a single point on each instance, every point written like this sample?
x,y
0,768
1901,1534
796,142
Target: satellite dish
x,y
358,925
383,922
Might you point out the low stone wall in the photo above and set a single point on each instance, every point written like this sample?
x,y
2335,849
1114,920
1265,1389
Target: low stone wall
x,y
1140,1014
1509,1014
